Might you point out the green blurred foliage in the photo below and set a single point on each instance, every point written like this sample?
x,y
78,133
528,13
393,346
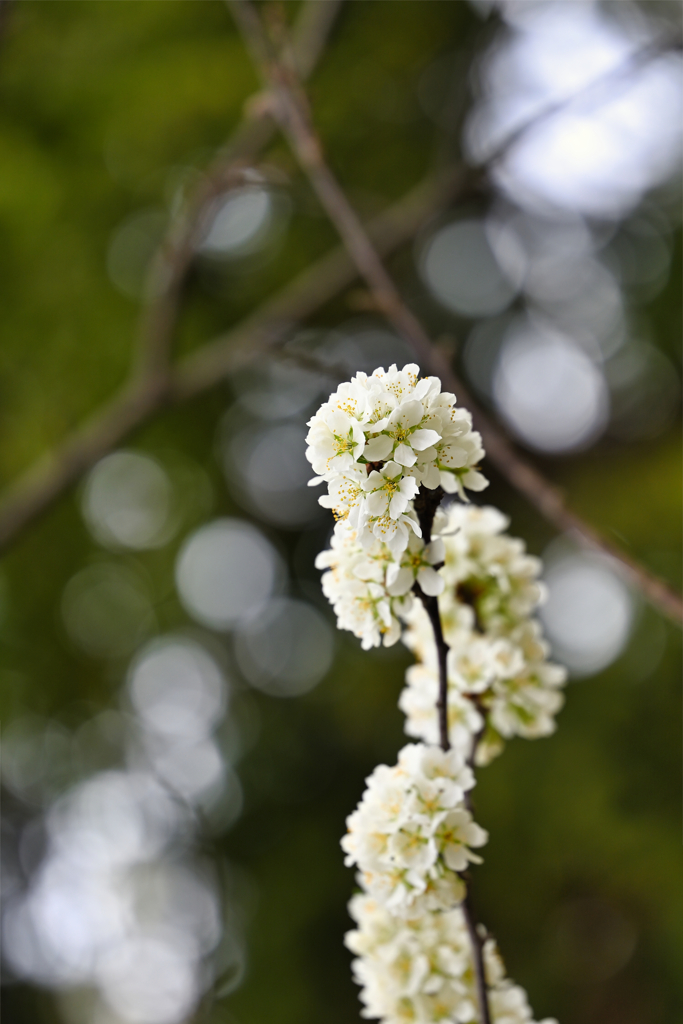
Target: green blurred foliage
x,y
103,107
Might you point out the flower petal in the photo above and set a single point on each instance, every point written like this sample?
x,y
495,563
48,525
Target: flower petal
x,y
430,581
408,414
377,503
421,439
377,448
405,456
436,551
391,470
397,505
402,583
393,634
475,480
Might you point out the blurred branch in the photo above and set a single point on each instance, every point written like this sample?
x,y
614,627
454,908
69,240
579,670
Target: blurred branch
x,y
270,325
291,109
152,385
175,255
152,382
273,321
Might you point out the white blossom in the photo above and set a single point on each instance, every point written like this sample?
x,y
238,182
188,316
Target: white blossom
x,y
355,586
369,585
336,441
420,971
401,432
416,565
411,833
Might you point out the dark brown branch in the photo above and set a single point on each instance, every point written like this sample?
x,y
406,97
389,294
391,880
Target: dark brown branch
x,y
426,503
477,956
431,606
291,109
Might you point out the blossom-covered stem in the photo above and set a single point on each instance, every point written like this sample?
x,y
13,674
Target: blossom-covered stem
x,y
426,503
431,605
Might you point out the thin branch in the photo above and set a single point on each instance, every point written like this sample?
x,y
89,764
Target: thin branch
x,y
477,956
177,251
431,606
426,505
291,109
172,261
147,391
269,326
312,33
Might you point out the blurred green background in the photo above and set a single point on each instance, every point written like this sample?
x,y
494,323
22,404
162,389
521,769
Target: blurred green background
x,y
106,109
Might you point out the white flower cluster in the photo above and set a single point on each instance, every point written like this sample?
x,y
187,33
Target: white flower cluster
x,y
411,833
500,680
420,971
369,588
379,443
378,438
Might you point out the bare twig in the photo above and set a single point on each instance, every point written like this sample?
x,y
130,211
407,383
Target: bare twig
x,y
426,505
152,382
431,606
291,109
177,251
170,266
142,396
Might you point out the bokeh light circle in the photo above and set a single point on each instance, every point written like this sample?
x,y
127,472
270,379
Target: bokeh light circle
x,y
550,392
127,501
240,223
589,612
288,650
107,610
460,269
225,573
